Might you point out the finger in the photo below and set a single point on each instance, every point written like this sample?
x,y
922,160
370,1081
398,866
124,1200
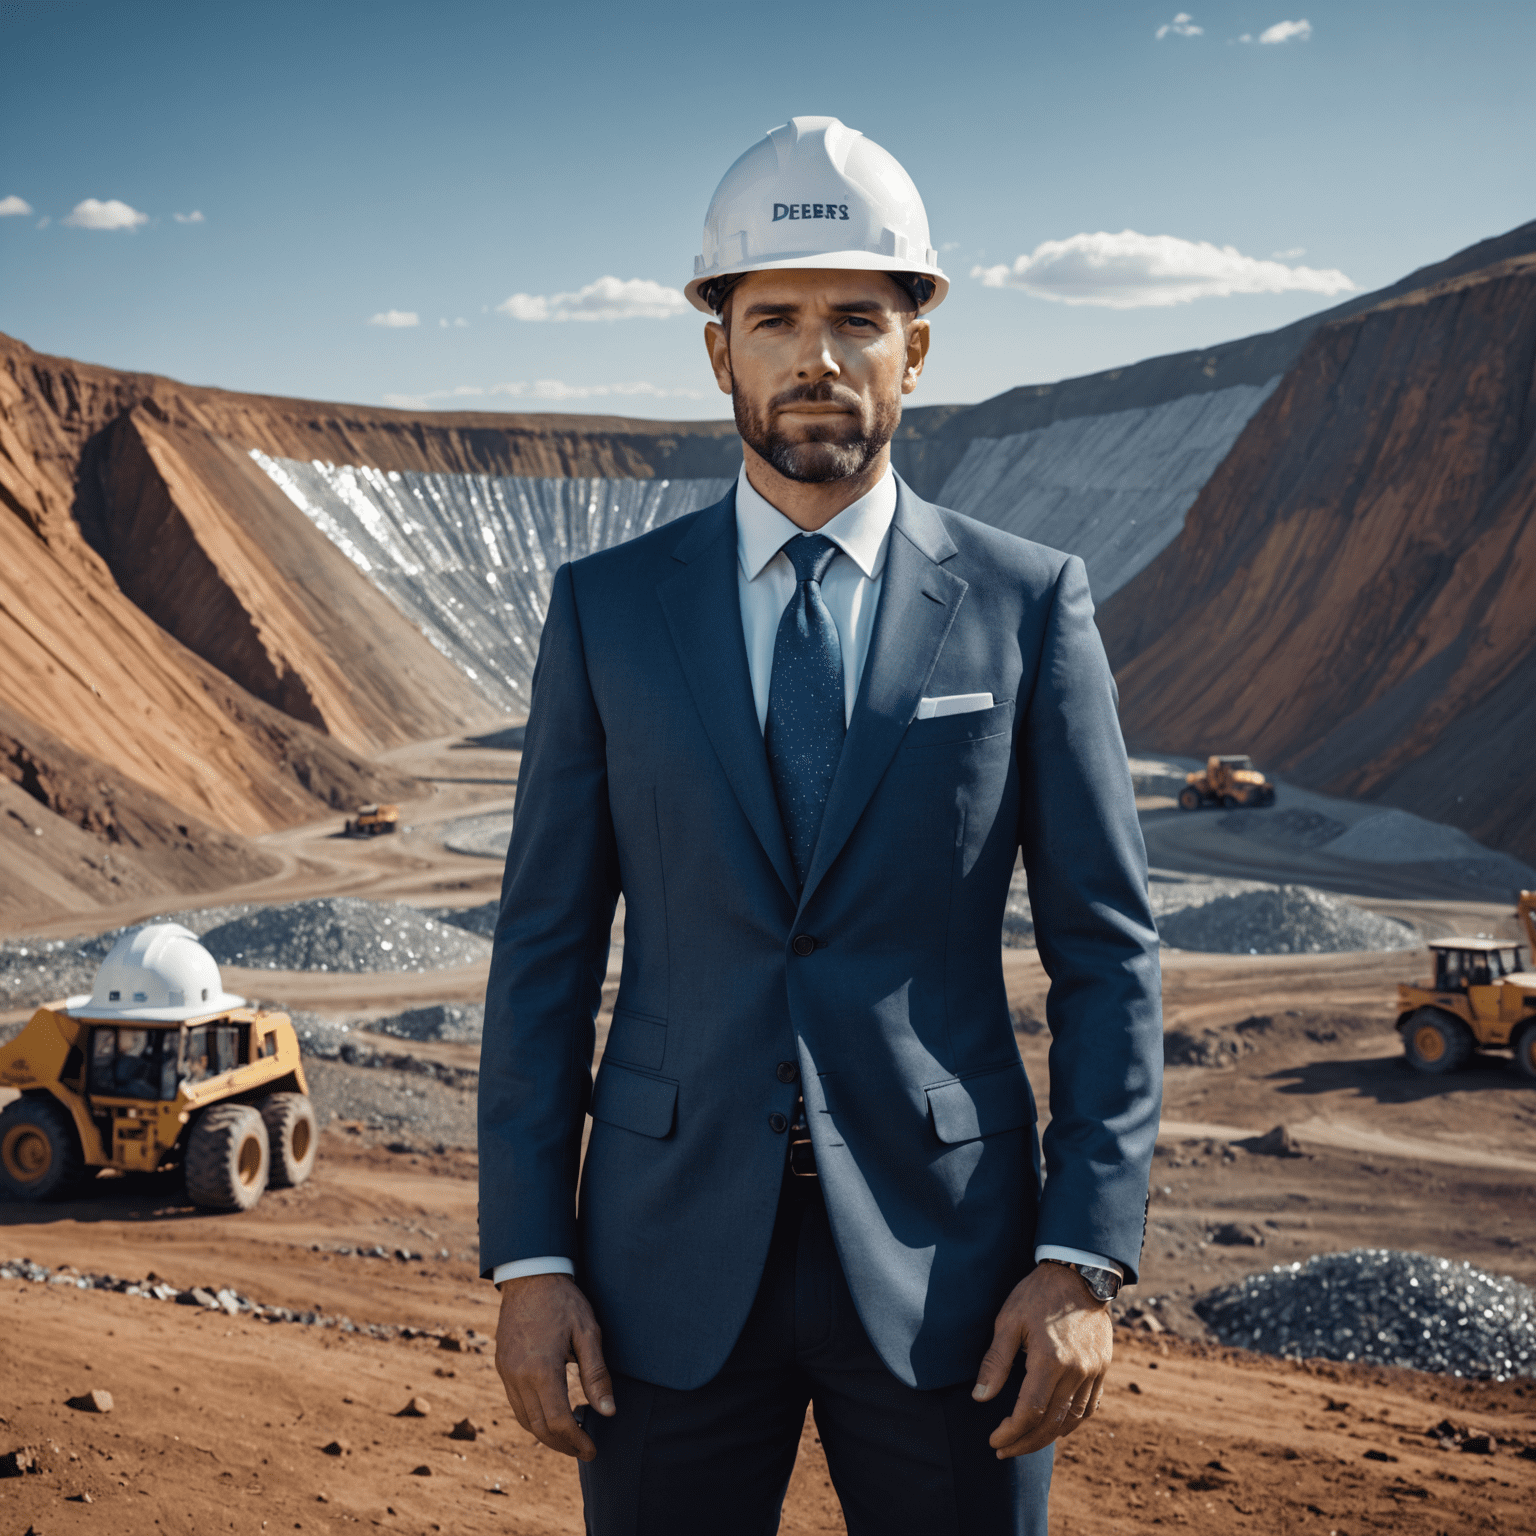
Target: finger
x,y
997,1363
550,1419
1080,1409
1035,1427
595,1380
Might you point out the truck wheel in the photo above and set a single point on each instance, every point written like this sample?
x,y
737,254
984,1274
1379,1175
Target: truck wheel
x,y
1435,1041
1189,798
293,1137
1525,1050
40,1153
228,1156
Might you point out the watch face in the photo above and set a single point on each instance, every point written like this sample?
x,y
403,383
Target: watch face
x,y
1104,1283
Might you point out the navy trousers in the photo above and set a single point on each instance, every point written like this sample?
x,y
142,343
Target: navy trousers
x,y
716,1461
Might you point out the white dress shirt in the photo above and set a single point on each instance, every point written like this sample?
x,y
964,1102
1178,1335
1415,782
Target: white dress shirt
x,y
765,582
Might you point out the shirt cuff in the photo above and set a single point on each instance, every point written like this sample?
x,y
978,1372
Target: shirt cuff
x,y
1064,1255
517,1269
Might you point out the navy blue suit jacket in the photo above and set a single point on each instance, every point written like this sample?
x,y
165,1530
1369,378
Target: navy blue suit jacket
x,y
644,772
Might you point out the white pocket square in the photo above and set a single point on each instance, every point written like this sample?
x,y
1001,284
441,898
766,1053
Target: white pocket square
x,y
952,704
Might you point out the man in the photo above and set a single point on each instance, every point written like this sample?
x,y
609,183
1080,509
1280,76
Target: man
x,y
806,732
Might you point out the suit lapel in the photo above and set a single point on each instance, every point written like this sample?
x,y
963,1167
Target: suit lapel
x,y
702,604
918,603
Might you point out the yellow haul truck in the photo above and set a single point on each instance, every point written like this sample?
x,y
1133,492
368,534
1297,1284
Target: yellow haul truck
x,y
1229,781
158,1066
1480,997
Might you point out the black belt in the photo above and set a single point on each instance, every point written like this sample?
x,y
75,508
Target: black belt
x,y
802,1155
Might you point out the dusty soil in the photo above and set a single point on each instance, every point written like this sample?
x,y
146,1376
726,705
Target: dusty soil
x,y
1388,1159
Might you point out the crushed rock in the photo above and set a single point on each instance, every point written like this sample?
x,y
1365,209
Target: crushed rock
x,y
342,933
1381,1306
1285,828
481,919
456,1022
1283,920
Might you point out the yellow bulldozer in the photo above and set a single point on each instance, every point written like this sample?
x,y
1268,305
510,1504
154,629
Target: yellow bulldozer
x,y
1480,998
1226,780
157,1067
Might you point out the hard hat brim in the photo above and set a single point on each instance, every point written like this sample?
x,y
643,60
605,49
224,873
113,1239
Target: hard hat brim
x,y
832,261
83,1008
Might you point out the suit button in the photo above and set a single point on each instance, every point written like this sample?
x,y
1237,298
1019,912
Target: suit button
x,y
777,1123
803,944
787,1072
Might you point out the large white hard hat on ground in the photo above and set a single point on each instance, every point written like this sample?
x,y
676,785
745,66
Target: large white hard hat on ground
x,y
159,972
815,193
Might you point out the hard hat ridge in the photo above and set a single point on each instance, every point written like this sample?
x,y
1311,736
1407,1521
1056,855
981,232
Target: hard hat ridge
x,y
815,193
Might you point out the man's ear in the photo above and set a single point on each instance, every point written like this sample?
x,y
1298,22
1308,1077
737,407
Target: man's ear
x,y
918,336
718,345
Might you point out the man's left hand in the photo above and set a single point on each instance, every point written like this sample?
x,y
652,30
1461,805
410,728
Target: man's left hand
x,y
1068,1340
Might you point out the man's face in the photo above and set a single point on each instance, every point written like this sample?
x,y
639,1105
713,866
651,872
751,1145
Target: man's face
x,y
816,363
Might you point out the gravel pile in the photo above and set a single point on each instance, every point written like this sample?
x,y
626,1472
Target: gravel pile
x,y
481,919
484,837
460,1023
1282,920
1382,1307
343,933
1290,828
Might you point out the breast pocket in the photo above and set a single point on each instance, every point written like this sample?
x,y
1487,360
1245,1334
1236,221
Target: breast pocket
x,y
636,1038
973,725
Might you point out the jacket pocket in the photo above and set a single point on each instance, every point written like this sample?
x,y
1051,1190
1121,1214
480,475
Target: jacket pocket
x,y
973,725
637,1039
634,1102
983,1104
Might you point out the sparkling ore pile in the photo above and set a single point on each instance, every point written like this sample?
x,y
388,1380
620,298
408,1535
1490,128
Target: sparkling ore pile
x,y
1382,1307
1284,920
343,933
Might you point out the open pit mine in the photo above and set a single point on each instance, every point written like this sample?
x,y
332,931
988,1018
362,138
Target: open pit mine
x,y
228,622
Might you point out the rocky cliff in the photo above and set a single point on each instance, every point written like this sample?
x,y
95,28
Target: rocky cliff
x,y
1353,596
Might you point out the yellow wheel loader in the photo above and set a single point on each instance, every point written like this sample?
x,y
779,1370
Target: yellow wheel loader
x,y
1229,781
374,821
157,1067
1480,998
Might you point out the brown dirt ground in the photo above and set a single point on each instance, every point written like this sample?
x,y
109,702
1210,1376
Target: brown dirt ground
x,y
1390,1159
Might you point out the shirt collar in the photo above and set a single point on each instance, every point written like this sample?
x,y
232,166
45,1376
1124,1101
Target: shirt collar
x,y
862,531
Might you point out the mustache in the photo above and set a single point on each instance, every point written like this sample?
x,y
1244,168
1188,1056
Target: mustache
x,y
822,392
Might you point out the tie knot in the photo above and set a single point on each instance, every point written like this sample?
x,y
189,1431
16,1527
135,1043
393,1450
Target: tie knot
x,y
810,554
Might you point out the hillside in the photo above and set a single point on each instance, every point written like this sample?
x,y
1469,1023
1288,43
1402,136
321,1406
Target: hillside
x,y
1353,595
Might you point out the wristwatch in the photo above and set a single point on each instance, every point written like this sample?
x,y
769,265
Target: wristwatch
x,y
1103,1284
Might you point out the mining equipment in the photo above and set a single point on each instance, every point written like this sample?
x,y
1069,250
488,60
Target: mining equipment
x,y
1479,998
1229,781
374,821
157,1067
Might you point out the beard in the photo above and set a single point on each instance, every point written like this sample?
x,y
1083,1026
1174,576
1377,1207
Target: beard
x,y
835,448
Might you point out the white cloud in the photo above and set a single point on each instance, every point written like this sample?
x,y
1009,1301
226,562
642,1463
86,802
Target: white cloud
x,y
1133,271
1182,25
93,214
609,298
396,319
11,206
542,389
453,324
1287,32
195,217
1294,254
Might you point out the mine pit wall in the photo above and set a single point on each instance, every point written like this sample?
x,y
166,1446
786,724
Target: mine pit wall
x,y
1352,594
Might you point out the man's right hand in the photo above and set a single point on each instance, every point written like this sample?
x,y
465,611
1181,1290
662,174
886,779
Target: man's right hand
x,y
545,1321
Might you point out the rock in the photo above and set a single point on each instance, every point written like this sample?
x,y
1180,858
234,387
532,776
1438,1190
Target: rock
x,y
1479,1445
97,1400
1277,1142
1379,1456
422,1471
229,1302
451,1341
80,1498
465,1429
25,1458
1232,1234
1131,1387
417,1408
1528,1453
335,1448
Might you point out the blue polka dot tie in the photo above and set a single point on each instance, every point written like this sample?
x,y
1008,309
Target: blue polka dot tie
x,y
806,721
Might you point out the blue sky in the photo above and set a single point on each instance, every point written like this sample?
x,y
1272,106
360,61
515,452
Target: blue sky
x,y
347,161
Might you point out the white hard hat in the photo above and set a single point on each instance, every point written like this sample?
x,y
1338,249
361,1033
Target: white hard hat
x,y
815,193
159,972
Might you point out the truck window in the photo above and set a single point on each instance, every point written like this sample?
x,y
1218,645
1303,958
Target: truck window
x,y
210,1049
133,1063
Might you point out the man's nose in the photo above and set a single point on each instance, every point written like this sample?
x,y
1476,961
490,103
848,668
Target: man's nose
x,y
819,359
